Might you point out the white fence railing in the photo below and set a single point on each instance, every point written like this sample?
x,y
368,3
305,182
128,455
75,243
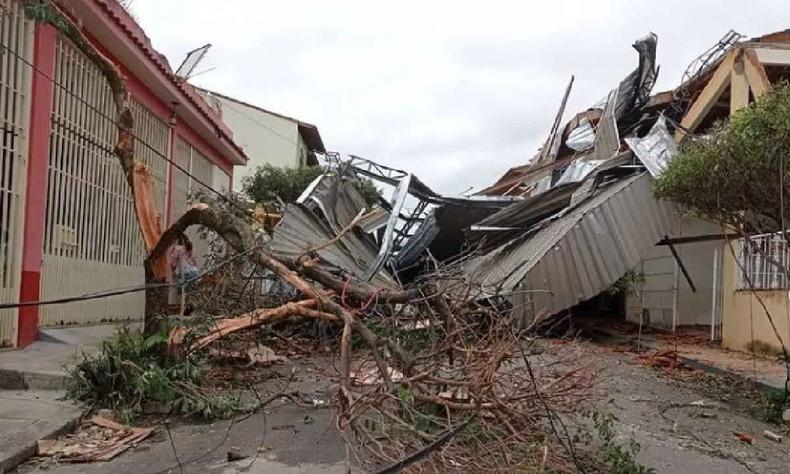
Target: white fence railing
x,y
763,262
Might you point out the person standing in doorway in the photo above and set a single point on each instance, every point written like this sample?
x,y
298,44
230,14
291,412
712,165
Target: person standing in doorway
x,y
183,267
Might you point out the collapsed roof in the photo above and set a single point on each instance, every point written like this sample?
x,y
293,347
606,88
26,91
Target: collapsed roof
x,y
558,230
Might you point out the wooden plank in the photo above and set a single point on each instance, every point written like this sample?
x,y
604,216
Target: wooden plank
x,y
739,88
708,97
773,56
755,74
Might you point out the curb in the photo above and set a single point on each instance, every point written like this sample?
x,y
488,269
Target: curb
x,y
11,379
24,445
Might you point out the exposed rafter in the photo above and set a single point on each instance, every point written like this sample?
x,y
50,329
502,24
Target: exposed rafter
x,y
755,73
709,95
742,70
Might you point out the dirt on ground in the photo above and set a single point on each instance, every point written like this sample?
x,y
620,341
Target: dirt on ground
x,y
688,421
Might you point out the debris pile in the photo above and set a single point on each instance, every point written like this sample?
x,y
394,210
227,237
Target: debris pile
x,y
98,439
433,363
421,292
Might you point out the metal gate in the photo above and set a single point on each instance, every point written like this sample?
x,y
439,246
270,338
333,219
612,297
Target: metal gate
x,y
92,240
185,187
16,37
654,303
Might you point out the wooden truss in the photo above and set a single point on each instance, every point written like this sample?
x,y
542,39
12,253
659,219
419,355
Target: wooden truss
x,y
742,69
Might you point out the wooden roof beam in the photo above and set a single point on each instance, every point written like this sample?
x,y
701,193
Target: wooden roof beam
x,y
709,96
755,74
773,56
739,86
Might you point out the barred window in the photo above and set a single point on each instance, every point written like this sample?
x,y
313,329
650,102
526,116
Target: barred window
x,y
763,262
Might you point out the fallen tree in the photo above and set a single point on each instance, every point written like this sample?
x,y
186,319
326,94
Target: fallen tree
x,y
398,392
459,392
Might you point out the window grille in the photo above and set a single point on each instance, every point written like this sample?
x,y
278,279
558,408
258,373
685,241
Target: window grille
x,y
763,261
185,187
16,36
152,143
90,212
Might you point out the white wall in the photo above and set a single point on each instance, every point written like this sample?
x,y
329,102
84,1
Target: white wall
x,y
694,308
265,138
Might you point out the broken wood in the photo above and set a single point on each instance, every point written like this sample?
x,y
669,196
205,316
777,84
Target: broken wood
x,y
755,73
225,327
101,439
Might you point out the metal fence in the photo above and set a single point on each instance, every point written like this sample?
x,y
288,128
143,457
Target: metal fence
x,y
16,36
153,137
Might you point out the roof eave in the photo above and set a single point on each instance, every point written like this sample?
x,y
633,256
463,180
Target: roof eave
x,y
311,136
107,26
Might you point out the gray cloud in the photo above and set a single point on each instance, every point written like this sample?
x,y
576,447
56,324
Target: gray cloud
x,y
455,92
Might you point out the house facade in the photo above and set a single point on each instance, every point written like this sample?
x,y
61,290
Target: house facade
x,y
266,137
735,289
67,220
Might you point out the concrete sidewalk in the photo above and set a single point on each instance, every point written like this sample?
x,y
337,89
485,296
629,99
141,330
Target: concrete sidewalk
x,y
695,350
40,366
31,389
27,416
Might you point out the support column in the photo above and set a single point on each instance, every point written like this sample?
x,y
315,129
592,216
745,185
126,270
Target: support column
x,y
36,193
167,219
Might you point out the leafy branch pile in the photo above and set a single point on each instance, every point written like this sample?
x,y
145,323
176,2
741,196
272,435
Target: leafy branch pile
x,y
132,373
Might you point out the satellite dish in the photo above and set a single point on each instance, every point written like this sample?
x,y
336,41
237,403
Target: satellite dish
x,y
188,65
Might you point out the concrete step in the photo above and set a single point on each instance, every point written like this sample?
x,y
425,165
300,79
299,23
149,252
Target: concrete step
x,y
27,416
41,366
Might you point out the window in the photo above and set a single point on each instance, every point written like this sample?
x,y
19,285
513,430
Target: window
x,y
762,261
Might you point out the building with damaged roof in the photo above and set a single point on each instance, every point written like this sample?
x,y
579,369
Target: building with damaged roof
x,y
567,243
565,227
582,212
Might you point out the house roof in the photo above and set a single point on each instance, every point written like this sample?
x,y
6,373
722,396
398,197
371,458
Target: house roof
x,y
580,252
308,131
197,110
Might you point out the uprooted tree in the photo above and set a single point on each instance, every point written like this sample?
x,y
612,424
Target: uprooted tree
x,y
466,398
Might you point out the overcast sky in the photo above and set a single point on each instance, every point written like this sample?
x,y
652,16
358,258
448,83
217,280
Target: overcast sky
x,y
455,92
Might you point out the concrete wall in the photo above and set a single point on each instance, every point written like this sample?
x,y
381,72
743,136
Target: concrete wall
x,y
743,318
693,308
265,138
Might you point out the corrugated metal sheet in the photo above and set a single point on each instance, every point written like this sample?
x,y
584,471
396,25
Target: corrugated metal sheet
x,y
580,254
301,229
607,138
374,220
337,199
